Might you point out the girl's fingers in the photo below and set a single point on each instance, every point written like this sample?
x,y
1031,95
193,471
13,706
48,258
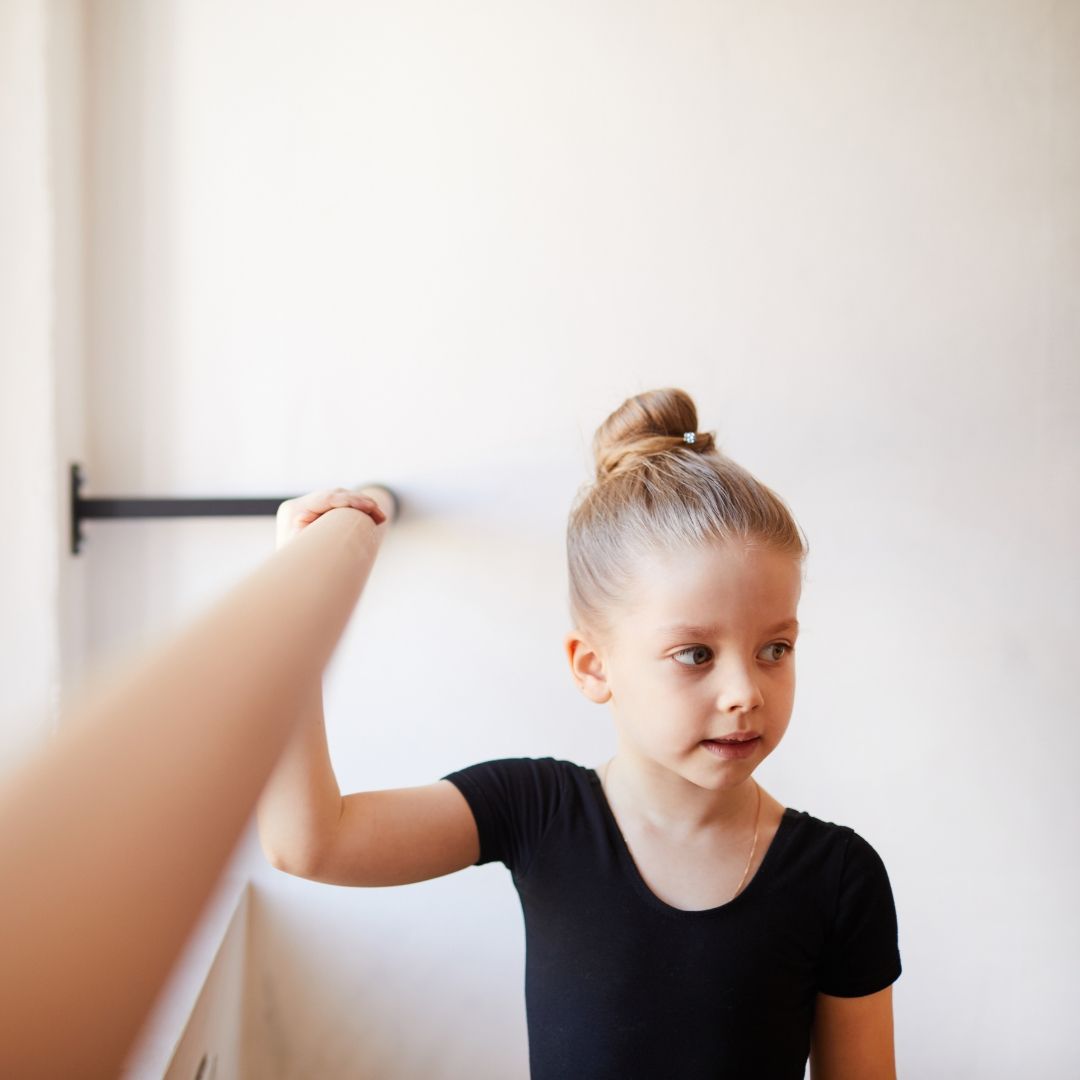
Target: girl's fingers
x,y
363,503
306,508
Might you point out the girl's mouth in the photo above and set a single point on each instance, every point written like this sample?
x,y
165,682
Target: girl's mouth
x,y
731,749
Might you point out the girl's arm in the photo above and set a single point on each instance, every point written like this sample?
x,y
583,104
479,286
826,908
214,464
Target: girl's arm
x,y
301,803
392,836
853,1038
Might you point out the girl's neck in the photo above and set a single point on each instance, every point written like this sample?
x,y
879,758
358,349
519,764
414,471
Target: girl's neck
x,y
663,802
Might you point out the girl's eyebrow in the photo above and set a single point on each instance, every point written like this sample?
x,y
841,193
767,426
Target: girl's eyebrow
x,y
712,629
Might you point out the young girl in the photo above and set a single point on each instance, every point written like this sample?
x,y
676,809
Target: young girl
x,y
680,921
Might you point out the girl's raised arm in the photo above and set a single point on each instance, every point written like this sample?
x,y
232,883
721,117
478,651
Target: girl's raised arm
x,y
389,837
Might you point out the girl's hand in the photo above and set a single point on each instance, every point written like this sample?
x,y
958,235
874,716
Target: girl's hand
x,y
294,514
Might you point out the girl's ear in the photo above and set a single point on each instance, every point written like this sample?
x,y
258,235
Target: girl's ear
x,y
587,668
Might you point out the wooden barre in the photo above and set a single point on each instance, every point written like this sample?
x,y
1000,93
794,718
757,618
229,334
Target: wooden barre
x,y
113,837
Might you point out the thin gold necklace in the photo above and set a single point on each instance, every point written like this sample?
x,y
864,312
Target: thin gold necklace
x,y
757,823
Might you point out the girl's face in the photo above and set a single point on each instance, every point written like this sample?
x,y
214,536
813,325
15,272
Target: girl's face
x,y
704,651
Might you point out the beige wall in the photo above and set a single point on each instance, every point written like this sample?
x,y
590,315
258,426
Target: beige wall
x,y
434,245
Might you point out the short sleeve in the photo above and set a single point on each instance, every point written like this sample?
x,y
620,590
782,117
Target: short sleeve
x,y
862,953
513,801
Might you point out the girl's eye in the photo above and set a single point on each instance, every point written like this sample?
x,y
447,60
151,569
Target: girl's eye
x,y
780,645
695,650
698,649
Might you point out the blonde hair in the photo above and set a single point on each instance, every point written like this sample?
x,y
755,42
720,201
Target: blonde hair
x,y
655,492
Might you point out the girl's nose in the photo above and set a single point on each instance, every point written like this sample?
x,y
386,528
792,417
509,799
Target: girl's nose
x,y
739,690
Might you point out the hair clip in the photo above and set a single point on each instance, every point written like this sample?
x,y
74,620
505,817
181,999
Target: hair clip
x,y
688,437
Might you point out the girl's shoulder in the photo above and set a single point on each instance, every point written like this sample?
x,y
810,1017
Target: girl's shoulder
x,y
822,828
515,800
824,843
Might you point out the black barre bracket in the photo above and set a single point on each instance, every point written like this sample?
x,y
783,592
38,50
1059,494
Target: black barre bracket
x,y
82,509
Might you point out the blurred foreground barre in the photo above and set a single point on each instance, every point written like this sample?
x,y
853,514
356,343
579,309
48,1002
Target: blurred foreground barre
x,y
112,838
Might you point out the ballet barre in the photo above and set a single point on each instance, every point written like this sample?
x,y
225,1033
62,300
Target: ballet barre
x,y
83,508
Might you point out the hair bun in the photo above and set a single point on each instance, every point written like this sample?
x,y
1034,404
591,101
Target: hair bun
x,y
653,422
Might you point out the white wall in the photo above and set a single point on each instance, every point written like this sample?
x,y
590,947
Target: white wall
x,y
30,537
433,245
212,1045
42,428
